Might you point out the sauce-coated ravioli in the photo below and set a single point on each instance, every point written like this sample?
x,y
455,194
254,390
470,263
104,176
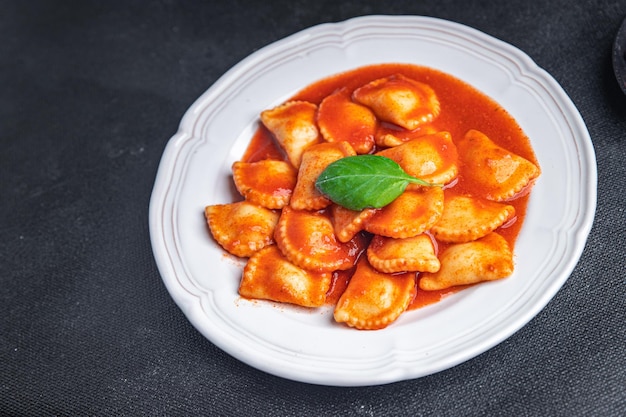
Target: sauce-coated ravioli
x,y
432,158
308,240
314,160
486,259
398,255
294,128
305,250
241,228
411,214
500,173
374,299
347,223
467,218
269,275
400,100
341,119
267,183
388,136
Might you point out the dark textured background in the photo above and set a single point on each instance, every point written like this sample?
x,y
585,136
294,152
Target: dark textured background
x,y
90,92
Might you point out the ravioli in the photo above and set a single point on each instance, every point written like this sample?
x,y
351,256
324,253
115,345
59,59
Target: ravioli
x,y
389,136
347,223
268,183
400,100
241,228
314,160
268,275
486,259
432,158
398,255
467,218
411,214
501,174
340,119
372,299
293,125
307,239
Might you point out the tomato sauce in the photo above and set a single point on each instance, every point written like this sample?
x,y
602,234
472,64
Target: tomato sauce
x,y
262,146
462,108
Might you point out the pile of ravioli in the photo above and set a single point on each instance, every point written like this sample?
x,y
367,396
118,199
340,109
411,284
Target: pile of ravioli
x,y
296,238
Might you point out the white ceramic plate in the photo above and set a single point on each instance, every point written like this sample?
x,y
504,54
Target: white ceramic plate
x,y
307,345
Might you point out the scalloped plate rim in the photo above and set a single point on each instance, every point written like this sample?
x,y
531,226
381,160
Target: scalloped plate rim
x,y
178,278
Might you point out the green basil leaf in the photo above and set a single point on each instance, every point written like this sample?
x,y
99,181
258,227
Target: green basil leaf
x,y
358,182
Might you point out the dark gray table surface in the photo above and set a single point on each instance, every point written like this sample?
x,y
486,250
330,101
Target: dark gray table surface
x,y
90,93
